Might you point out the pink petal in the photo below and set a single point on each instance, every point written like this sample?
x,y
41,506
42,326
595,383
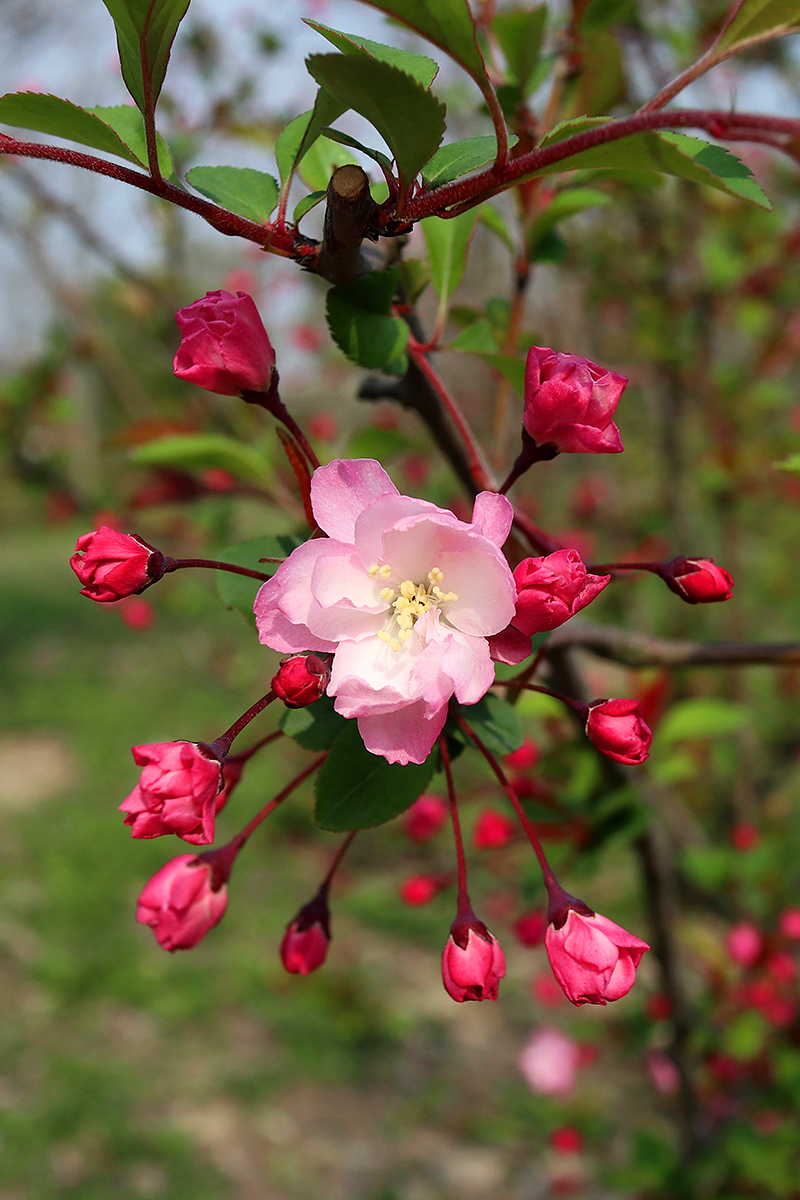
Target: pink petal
x,y
492,515
341,491
403,736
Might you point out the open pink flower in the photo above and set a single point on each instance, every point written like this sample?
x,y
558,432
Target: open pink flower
x,y
180,904
176,793
569,402
593,959
403,594
224,345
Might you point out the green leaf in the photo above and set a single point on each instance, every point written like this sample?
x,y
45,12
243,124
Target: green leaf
x,y
203,450
300,134
237,591
423,69
357,790
495,722
251,194
447,240
477,338
520,33
320,161
496,222
792,463
756,20
701,718
446,23
666,153
459,158
409,119
602,14
128,124
361,324
306,204
345,140
145,32
565,204
62,118
415,275
314,727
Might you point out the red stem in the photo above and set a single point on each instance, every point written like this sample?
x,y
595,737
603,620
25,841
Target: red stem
x,y
547,871
604,568
340,853
463,902
175,564
578,705
265,741
222,744
536,536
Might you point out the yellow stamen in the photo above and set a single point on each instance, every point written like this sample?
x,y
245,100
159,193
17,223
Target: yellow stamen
x,y
386,593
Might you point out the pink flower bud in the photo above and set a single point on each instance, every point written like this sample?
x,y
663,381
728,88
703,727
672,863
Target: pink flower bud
x,y
302,679
425,817
790,923
492,830
525,757
419,890
593,959
697,580
176,793
550,1062
112,565
552,589
529,929
618,729
305,944
224,345
180,903
473,962
744,943
566,1139
569,403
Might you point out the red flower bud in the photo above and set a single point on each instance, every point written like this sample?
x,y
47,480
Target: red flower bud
x,y
425,817
593,959
176,793
567,1139
224,345
473,962
305,944
569,403
492,830
112,565
302,679
530,928
697,580
790,923
180,904
618,729
419,890
552,589
525,757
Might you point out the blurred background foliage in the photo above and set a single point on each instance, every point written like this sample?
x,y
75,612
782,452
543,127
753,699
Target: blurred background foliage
x,y
128,1073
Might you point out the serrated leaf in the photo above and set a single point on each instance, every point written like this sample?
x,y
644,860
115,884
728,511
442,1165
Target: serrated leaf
x,y
306,204
459,158
320,161
127,123
357,790
446,23
477,338
345,139
145,32
252,194
314,727
237,591
300,134
423,69
701,718
495,722
203,450
409,119
520,33
62,118
447,240
666,153
361,323
757,20
565,204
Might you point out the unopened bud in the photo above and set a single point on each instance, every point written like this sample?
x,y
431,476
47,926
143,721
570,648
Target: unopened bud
x,y
112,565
302,679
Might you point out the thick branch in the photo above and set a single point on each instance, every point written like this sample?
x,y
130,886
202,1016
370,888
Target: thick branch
x,y
642,650
348,215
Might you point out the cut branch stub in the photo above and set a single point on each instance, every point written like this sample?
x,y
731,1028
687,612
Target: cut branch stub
x,y
349,213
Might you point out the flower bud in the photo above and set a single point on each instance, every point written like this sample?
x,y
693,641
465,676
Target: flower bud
x,y
525,757
302,679
593,959
789,923
744,944
473,962
697,580
305,944
425,817
618,730
224,345
552,589
112,565
492,830
530,928
180,903
176,793
419,890
569,403
550,1062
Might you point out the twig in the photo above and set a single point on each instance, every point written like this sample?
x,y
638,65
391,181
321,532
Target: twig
x,y
637,649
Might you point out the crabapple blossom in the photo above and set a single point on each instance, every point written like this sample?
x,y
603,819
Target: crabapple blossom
x,y
176,793
112,565
744,943
180,904
403,594
549,1062
492,830
419,890
618,730
425,817
569,403
473,963
593,959
224,345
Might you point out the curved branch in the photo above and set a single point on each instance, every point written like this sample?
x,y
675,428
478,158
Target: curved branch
x,y
636,649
